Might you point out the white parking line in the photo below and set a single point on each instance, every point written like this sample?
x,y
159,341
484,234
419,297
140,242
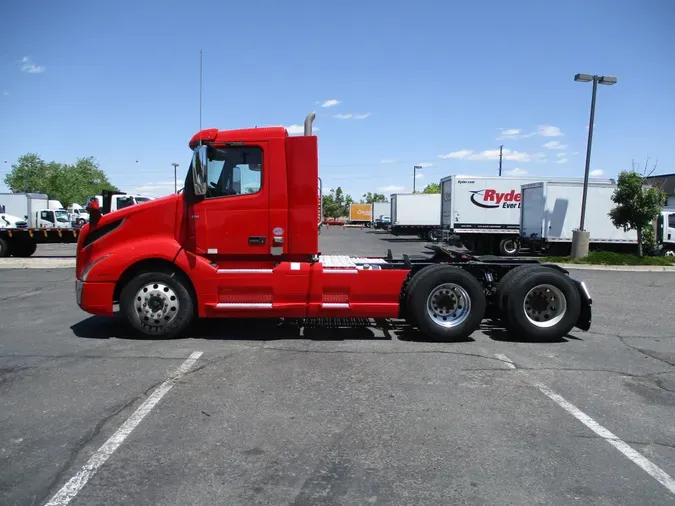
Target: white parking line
x,y
507,361
652,469
649,467
75,484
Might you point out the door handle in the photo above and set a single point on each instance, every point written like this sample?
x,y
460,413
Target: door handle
x,y
256,239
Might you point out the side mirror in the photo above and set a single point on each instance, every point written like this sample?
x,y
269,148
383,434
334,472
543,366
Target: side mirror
x,y
199,170
255,167
94,210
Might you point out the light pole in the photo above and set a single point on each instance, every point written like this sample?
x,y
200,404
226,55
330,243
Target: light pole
x,y
581,238
415,169
175,180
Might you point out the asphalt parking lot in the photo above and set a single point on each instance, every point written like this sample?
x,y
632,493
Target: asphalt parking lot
x,y
256,413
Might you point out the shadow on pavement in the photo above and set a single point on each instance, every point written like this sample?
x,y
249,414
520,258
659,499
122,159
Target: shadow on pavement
x,y
324,329
500,334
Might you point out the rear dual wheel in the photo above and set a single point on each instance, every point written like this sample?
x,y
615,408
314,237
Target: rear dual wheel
x,y
538,303
446,303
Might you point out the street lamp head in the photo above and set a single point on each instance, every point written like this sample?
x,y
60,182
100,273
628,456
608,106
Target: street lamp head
x,y
584,78
608,80
417,166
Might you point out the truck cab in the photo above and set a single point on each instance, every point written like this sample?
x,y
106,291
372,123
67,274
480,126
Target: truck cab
x,y
241,241
52,218
665,231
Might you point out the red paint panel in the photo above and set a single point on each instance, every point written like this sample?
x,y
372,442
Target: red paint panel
x,y
97,298
302,168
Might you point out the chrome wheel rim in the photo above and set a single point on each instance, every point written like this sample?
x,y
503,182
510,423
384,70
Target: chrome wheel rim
x,y
448,305
510,246
545,306
156,304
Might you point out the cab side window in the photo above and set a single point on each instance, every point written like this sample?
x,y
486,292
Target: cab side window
x,y
46,216
234,171
671,221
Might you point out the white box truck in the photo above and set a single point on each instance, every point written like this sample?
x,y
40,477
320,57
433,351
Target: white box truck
x,y
665,231
381,217
551,210
483,212
416,214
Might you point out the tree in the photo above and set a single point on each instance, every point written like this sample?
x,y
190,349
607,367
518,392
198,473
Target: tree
x,y
67,183
371,198
636,205
432,188
336,203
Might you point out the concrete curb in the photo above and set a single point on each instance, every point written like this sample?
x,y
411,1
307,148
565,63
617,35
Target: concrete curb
x,y
37,263
618,268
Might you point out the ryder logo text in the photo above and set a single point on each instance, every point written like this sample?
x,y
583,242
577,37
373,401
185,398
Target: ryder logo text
x,y
491,199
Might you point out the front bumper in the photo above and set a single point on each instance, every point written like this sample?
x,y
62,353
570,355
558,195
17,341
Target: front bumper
x,y
95,297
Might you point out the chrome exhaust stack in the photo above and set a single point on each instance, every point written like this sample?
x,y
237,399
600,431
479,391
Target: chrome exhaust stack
x,y
308,123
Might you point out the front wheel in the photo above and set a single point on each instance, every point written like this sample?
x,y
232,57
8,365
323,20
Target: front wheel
x,y
4,248
435,235
157,304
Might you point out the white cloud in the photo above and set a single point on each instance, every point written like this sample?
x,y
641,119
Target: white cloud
x,y
5,93
419,176
562,160
298,129
462,153
425,165
493,154
27,65
511,133
352,116
596,173
388,160
554,145
549,131
516,172
575,153
561,155
331,102
391,189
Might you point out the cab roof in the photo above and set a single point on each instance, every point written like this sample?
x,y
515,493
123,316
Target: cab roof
x,y
215,136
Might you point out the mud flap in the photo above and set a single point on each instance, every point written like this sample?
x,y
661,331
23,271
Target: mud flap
x,y
585,316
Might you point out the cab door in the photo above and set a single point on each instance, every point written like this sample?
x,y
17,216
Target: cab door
x,y
233,217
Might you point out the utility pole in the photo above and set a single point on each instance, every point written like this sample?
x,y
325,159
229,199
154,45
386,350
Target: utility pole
x,y
415,169
500,160
175,180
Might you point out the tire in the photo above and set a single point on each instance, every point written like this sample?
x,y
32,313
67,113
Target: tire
x,y
435,235
24,249
447,303
506,283
509,247
159,288
81,221
411,287
5,249
555,318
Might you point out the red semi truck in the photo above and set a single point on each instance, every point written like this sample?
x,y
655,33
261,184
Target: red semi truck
x,y
241,241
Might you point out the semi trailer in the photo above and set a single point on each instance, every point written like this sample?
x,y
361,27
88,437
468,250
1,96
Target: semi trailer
x,y
483,212
41,224
215,251
416,214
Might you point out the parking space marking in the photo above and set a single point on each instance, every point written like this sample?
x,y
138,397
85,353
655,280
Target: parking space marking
x,y
636,457
650,468
77,482
507,361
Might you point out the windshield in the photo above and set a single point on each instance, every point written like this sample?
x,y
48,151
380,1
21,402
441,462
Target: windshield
x,y
140,200
62,216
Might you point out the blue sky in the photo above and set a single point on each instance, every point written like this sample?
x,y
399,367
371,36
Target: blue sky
x,y
394,84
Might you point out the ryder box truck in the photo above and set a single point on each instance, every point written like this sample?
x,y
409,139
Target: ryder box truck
x,y
483,212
